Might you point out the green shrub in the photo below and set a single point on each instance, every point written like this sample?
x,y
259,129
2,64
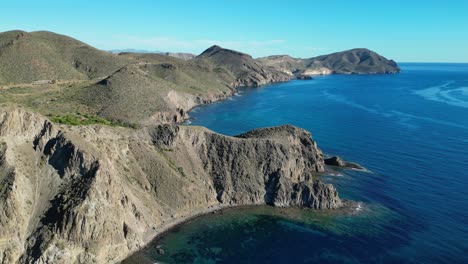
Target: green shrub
x,y
88,119
181,171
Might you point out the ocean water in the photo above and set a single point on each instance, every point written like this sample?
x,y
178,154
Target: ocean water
x,y
410,130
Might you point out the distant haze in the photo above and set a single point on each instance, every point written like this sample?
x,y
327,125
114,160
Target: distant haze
x,y
133,50
432,31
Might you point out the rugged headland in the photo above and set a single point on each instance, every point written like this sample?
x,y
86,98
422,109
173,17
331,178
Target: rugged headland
x,y
354,61
94,194
93,163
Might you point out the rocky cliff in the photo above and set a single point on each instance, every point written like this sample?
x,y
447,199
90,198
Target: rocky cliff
x,y
94,194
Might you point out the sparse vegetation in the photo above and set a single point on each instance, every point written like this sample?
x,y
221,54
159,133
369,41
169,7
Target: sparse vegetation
x,y
181,171
80,119
87,119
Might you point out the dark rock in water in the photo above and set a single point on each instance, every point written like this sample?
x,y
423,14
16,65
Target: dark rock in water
x,y
337,161
304,77
159,250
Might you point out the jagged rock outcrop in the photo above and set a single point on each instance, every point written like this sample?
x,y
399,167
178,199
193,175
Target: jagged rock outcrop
x,y
338,162
94,194
272,165
304,77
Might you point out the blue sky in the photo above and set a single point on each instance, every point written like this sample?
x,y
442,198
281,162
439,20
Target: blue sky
x,y
423,31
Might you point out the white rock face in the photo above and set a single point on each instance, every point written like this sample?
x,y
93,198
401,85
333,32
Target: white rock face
x,y
318,71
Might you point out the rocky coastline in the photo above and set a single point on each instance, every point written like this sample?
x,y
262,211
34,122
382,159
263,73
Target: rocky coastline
x,y
82,193
62,240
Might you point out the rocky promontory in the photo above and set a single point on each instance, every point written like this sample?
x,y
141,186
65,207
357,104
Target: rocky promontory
x,y
338,162
95,194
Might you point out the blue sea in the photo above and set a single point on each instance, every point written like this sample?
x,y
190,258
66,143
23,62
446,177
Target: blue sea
x,y
410,130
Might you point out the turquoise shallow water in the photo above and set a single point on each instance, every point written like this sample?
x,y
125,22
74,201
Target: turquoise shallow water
x,y
410,130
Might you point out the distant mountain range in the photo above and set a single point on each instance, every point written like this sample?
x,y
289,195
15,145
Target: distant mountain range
x,y
180,55
117,51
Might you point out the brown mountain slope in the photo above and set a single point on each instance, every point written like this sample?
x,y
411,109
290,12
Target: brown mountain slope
x,y
166,88
283,63
28,57
157,89
245,70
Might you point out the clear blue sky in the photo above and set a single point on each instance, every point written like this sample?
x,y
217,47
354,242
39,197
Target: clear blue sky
x,y
425,31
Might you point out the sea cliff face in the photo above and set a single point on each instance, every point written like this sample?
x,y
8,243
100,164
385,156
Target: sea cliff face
x,y
274,166
95,194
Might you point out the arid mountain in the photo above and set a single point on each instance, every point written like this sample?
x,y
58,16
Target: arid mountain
x,y
284,63
355,61
245,70
42,55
